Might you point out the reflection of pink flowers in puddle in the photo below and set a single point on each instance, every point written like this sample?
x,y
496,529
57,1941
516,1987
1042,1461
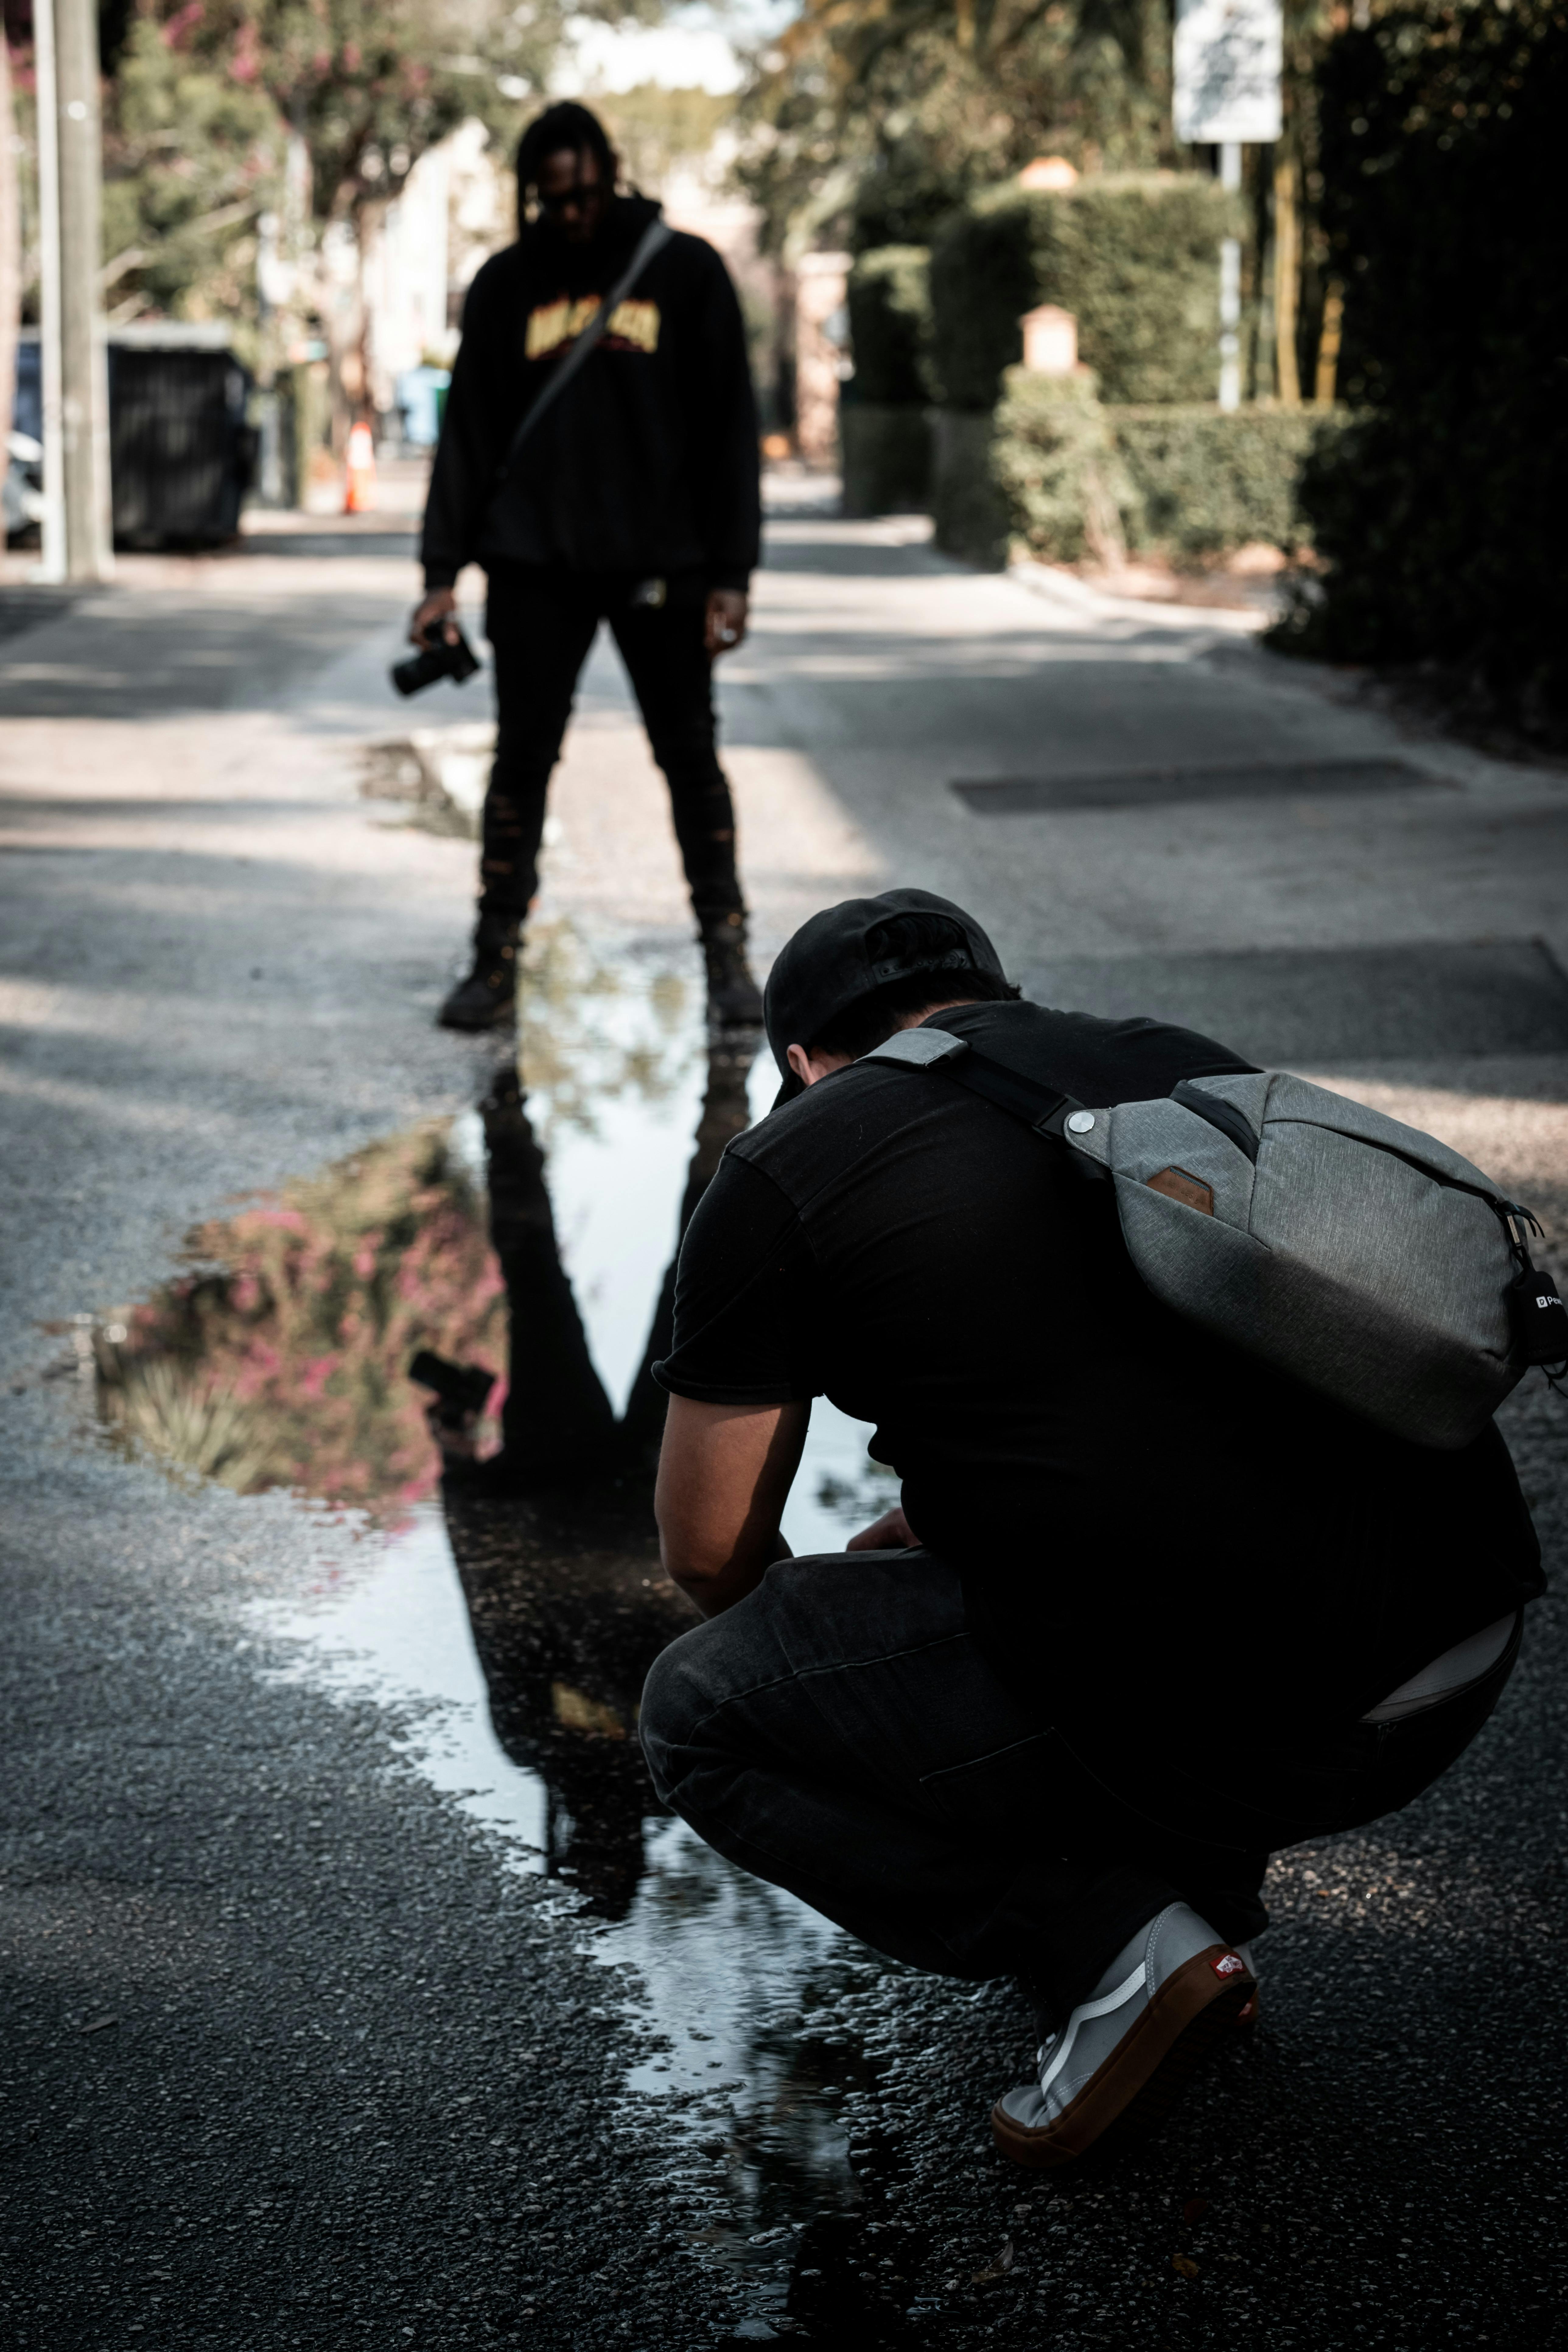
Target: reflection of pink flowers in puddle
x,y
286,1363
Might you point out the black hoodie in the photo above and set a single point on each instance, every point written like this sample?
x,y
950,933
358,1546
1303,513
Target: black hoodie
x,y
647,462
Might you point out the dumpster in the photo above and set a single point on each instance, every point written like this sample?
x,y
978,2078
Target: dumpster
x,y
181,452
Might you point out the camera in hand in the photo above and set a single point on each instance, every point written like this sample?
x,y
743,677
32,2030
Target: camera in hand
x,y
438,659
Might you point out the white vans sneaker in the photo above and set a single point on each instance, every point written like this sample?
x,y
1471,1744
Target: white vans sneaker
x,y
1125,2052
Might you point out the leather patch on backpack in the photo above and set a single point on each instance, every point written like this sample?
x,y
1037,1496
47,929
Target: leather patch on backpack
x,y
1191,1190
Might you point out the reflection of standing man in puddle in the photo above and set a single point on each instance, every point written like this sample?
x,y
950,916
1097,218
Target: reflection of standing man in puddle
x,y
1167,1610
598,470
554,1538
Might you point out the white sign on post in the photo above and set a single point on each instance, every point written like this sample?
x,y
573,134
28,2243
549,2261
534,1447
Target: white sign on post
x,y
1227,59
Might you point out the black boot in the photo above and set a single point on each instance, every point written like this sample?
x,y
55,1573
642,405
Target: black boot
x,y
489,994
734,1000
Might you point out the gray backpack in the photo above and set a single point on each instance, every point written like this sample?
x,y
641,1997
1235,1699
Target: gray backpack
x,y
1361,1256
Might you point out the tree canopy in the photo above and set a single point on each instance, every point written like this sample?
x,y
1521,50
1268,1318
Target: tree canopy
x,y
205,96
870,118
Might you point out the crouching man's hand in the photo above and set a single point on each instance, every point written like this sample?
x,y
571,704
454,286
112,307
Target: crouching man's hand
x,y
891,1532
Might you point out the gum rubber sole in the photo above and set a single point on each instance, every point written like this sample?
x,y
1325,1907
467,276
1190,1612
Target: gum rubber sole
x,y
1144,2075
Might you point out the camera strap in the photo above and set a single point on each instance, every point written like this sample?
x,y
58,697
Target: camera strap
x,y
654,239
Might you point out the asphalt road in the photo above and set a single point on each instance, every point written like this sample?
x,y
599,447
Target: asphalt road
x,y
301,2047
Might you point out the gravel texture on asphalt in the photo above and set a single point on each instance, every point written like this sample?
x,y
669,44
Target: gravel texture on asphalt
x,y
293,2057
295,2053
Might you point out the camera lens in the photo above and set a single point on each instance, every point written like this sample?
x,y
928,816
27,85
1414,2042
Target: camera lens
x,y
420,670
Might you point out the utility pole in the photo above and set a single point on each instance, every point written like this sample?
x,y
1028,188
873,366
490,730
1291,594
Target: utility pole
x,y
77,527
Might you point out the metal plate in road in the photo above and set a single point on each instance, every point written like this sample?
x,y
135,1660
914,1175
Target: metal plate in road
x,y
1139,787
1311,1007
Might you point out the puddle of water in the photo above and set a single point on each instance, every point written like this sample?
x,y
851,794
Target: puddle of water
x,y
393,1622
499,1575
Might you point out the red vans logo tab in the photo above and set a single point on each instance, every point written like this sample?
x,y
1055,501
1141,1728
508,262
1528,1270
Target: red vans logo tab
x,y
1229,1964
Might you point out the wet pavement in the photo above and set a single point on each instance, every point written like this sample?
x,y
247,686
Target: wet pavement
x,y
357,1988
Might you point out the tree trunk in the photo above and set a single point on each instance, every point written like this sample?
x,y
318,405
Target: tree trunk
x,y
1329,344
1286,280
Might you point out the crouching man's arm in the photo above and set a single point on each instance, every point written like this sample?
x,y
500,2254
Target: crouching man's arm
x,y
724,1475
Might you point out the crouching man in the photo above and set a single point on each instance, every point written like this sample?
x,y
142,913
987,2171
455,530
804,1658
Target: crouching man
x,y
1148,1611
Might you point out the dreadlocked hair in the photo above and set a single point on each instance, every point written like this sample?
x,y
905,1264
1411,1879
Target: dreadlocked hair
x,y
563,129
942,974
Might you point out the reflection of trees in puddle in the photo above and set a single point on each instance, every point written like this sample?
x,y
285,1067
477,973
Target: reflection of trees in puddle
x,y
593,1030
281,1359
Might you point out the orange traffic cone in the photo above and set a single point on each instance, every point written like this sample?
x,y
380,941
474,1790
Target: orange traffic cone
x,y
359,498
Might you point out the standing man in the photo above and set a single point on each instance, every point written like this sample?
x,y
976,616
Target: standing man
x,y
1148,1611
636,500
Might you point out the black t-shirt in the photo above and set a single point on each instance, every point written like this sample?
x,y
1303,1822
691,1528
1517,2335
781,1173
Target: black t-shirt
x,y
1141,1515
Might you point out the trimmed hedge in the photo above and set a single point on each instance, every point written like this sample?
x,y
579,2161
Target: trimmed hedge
x,y
1056,463
1066,478
1439,513
1134,257
890,326
1207,480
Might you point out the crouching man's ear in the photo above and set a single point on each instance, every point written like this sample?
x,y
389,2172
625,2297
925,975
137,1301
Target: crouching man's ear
x,y
809,1068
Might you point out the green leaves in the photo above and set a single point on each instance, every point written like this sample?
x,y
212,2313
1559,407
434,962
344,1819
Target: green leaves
x,y
1437,514
205,100
873,118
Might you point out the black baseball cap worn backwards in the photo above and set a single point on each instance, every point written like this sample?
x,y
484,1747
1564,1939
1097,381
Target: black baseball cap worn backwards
x,y
828,964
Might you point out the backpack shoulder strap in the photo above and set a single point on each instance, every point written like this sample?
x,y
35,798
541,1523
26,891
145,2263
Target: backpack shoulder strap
x,y
1043,1108
654,239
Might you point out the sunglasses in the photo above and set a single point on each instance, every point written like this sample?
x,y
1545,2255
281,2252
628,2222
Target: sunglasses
x,y
576,198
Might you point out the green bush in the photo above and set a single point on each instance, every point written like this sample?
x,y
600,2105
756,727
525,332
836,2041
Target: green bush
x,y
1207,480
1056,463
1438,511
890,326
1135,257
1193,481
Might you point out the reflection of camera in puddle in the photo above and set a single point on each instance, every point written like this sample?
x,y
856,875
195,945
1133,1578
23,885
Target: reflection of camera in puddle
x,y
462,1393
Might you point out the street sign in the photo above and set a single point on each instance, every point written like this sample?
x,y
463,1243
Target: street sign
x,y
1227,59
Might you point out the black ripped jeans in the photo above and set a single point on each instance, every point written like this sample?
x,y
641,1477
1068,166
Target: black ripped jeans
x,y
540,623
840,1732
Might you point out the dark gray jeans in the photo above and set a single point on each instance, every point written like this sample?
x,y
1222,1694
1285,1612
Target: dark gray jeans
x,y
840,1733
